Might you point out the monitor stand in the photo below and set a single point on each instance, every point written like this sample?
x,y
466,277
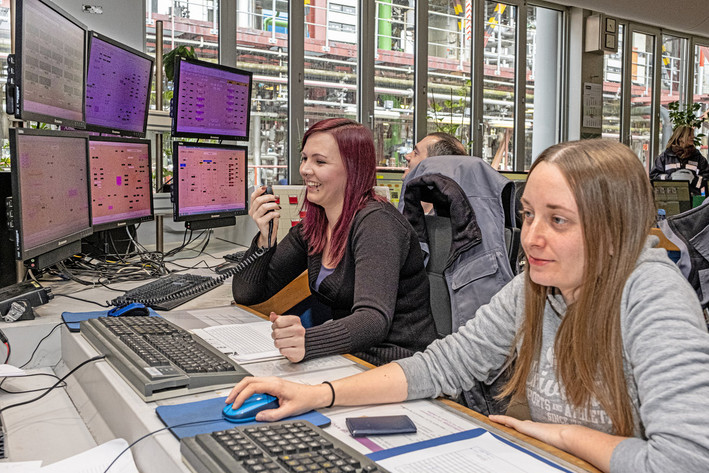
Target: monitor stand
x,y
54,256
109,242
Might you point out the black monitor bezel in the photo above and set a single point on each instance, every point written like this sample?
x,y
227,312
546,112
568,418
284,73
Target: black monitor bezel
x,y
22,253
130,221
118,130
176,94
176,183
20,111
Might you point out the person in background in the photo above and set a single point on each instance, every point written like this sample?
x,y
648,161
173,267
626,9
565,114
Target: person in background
x,y
607,338
682,154
435,144
365,266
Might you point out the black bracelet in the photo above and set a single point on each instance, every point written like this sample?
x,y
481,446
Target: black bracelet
x,y
333,393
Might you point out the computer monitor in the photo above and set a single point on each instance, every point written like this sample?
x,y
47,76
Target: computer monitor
x,y
672,196
210,101
121,189
210,184
50,194
118,81
50,56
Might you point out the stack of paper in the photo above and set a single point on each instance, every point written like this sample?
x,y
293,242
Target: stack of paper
x,y
242,342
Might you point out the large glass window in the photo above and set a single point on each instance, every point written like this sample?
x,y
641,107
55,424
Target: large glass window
x,y
449,67
331,52
612,90
190,23
641,87
499,68
262,48
673,80
701,86
544,50
393,80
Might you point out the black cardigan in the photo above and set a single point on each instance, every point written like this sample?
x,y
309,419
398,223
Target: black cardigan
x,y
378,294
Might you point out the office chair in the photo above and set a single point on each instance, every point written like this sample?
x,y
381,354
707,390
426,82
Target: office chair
x,y
465,245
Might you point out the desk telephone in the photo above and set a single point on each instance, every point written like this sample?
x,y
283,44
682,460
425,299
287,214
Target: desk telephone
x,y
175,289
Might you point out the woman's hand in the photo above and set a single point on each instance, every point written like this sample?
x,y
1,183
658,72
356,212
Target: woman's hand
x,y
293,398
588,444
264,209
547,433
288,336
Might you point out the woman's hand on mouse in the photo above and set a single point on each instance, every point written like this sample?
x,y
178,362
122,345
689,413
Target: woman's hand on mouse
x,y
293,398
264,209
288,336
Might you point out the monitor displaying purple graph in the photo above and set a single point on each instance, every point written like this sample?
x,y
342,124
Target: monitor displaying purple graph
x,y
210,180
121,190
210,101
117,87
50,54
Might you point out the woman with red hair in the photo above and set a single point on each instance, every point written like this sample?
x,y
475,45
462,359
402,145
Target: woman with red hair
x,y
365,266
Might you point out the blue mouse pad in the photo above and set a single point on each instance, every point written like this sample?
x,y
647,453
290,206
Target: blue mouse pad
x,y
72,319
211,410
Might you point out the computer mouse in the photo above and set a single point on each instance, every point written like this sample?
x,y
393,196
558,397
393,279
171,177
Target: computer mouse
x,y
135,308
248,410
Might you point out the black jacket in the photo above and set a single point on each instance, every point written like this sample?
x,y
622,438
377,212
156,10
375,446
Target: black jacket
x,y
668,162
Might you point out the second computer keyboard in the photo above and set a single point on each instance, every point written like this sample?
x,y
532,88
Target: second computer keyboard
x,y
169,291
158,357
291,446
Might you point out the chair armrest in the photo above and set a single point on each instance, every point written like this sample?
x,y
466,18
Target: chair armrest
x,y
296,291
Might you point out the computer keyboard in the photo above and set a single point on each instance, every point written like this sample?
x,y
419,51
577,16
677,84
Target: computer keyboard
x,y
158,357
291,446
169,291
235,257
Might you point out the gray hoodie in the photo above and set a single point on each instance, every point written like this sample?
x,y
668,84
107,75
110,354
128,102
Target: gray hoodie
x,y
666,357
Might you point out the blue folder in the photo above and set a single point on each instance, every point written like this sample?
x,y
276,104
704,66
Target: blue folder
x,y
72,319
468,434
209,415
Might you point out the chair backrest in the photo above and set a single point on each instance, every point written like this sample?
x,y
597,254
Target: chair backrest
x,y
439,240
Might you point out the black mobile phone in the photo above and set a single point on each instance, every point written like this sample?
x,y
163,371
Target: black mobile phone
x,y
379,425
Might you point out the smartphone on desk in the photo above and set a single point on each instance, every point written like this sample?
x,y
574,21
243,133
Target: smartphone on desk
x,y
379,425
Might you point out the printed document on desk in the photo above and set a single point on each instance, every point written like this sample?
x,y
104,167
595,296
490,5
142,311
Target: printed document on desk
x,y
476,451
243,343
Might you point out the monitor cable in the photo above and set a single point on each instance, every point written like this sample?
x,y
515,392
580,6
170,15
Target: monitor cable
x,y
5,341
60,381
155,432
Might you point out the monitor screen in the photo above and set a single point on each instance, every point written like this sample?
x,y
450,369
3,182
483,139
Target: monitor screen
x,y
210,181
50,54
210,101
121,189
50,190
118,83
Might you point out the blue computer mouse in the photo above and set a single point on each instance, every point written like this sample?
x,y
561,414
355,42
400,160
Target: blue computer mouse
x,y
248,410
135,308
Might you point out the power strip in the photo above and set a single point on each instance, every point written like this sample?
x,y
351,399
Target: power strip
x,y
32,292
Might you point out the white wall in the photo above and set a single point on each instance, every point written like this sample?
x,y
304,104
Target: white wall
x,y
122,20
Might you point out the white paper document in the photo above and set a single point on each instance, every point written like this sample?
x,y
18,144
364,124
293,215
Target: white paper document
x,y
21,467
9,370
482,454
96,460
432,420
242,342
286,368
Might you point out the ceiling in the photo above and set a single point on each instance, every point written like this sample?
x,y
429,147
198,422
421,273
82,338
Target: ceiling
x,y
683,16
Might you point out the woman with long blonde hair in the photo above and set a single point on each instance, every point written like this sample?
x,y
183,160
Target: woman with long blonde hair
x,y
608,341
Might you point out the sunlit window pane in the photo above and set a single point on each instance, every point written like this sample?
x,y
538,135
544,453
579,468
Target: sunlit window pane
x,y
262,48
701,86
499,84
641,95
673,78
612,90
394,81
449,67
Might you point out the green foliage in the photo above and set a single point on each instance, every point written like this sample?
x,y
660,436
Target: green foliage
x,y
168,59
687,116
453,108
